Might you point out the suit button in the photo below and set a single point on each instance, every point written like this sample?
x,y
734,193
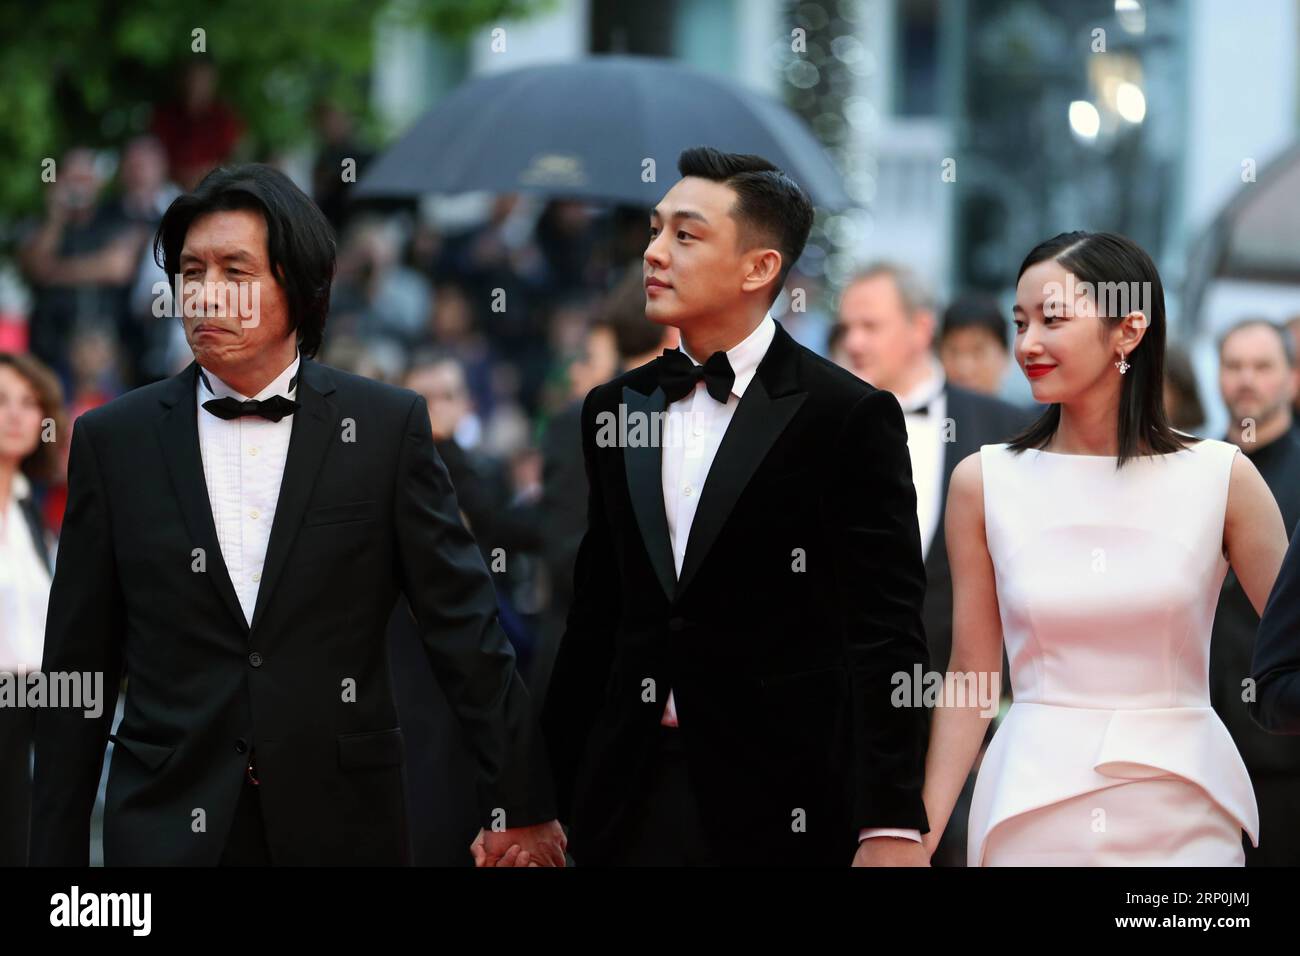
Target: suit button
x,y
255,659
676,623
241,746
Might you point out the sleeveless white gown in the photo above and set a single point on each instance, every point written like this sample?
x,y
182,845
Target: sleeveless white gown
x,y
1107,584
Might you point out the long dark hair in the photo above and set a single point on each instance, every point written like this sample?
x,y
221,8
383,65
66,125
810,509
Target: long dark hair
x,y
299,239
1098,258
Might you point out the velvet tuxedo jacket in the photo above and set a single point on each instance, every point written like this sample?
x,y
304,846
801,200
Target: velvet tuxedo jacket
x,y
798,601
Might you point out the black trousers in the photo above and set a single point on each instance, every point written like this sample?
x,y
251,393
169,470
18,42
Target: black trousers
x,y
246,845
16,724
1278,796
666,828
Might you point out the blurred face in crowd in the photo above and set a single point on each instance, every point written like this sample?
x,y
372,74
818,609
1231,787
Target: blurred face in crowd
x,y
598,362
243,320
79,181
91,354
883,344
200,85
697,266
443,386
20,417
451,319
572,217
1254,377
973,358
144,166
379,249
838,353
1063,346
334,123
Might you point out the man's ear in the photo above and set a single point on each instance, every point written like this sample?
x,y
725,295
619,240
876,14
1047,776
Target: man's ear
x,y
923,320
762,266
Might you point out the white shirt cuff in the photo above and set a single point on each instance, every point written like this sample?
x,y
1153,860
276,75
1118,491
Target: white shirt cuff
x,y
868,832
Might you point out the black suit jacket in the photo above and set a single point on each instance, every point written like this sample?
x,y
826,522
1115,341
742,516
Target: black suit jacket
x,y
781,675
1237,629
1276,664
977,420
357,521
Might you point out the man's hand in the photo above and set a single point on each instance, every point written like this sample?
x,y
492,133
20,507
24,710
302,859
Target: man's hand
x,y
891,851
540,845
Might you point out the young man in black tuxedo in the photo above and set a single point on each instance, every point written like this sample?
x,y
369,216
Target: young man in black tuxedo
x,y
235,540
750,580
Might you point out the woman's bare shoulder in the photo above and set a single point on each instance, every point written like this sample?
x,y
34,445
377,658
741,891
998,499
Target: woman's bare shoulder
x,y
966,486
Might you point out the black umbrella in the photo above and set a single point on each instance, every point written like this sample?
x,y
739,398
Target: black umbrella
x,y
586,129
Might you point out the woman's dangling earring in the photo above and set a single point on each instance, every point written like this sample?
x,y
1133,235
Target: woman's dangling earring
x,y
1122,365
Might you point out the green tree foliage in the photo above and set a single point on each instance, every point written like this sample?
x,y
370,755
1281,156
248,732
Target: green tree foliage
x,y
89,72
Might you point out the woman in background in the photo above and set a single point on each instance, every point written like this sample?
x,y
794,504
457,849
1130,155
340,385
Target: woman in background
x,y
31,429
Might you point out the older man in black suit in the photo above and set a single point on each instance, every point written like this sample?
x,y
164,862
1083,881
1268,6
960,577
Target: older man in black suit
x,y
236,538
1258,381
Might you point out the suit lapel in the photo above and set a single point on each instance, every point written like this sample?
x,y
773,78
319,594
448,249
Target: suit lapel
x,y
314,426
178,432
769,403
644,467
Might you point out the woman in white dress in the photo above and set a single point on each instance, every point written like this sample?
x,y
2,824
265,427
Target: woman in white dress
x,y
1095,544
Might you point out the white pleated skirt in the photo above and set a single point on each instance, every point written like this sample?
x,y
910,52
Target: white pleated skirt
x,y
1157,821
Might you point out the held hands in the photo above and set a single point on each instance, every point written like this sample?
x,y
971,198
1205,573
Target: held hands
x,y
891,851
544,845
539,845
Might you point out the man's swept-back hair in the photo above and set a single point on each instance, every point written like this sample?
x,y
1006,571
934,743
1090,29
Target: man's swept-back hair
x,y
299,239
770,206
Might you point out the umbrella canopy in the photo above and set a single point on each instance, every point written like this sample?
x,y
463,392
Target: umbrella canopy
x,y
586,130
1254,238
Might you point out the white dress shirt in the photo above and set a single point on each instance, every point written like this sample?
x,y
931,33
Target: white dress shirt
x,y
693,429
243,462
24,587
926,448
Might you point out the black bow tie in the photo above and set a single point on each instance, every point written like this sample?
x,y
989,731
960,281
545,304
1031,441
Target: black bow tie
x,y
273,409
919,410
678,375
